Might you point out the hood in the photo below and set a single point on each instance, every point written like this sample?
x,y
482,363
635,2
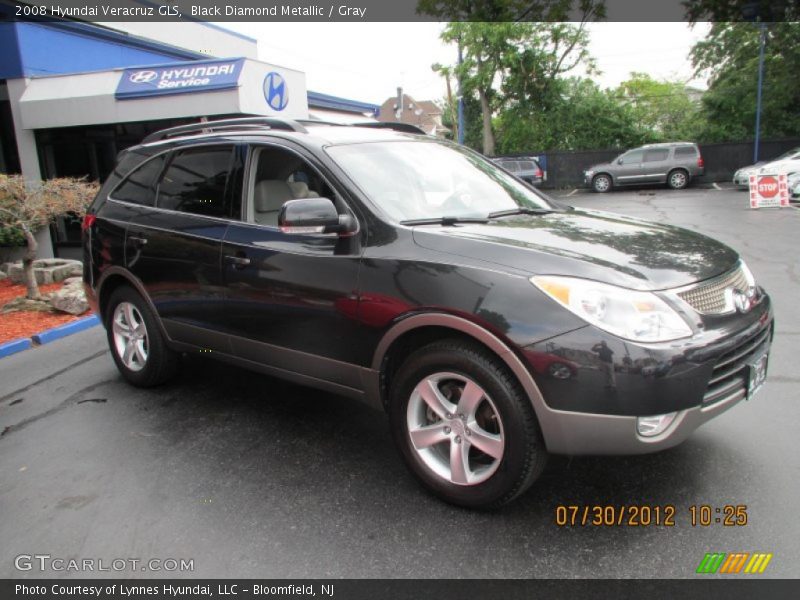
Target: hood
x,y
594,245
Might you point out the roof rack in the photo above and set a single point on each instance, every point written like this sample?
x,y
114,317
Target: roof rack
x,y
226,125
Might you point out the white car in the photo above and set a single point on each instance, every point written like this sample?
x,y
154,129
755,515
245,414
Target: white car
x,y
794,185
785,162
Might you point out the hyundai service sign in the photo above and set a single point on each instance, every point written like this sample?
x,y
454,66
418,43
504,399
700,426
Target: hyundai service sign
x,y
179,78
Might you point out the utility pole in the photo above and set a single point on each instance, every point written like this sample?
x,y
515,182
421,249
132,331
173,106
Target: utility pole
x,y
460,97
398,107
763,39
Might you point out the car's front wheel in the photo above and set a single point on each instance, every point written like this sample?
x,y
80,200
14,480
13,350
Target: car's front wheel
x,y
601,183
464,426
137,345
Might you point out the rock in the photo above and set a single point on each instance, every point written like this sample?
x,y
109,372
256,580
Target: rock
x,y
74,280
3,276
70,299
18,304
47,270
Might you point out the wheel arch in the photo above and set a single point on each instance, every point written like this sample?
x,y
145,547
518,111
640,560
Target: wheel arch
x,y
415,331
607,174
113,279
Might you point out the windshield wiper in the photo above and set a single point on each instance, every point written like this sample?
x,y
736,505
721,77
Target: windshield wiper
x,y
520,210
445,220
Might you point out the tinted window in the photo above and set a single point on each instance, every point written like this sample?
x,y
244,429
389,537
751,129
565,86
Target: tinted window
x,y
633,157
195,182
656,155
139,186
528,166
685,151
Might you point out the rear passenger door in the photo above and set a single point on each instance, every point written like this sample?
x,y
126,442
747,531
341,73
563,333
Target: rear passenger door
x,y
174,246
656,165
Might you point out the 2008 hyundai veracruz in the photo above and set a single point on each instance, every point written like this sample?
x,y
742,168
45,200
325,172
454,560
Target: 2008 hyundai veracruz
x,y
493,324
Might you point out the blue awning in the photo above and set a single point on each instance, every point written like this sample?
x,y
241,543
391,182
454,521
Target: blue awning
x,y
317,100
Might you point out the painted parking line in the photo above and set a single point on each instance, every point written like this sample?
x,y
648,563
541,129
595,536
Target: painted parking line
x,y
573,192
716,187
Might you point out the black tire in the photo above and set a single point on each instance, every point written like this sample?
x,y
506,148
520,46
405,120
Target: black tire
x,y
161,362
602,183
524,455
678,179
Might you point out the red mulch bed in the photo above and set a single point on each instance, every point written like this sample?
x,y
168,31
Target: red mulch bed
x,y
23,324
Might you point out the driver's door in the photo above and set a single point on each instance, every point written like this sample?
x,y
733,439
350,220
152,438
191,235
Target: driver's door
x,y
629,168
289,296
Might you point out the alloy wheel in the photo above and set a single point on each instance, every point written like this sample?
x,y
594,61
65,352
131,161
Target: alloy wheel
x,y
130,336
455,428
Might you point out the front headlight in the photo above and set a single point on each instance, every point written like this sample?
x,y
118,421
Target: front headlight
x,y
629,314
588,173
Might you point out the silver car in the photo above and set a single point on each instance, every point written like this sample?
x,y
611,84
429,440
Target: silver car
x,y
742,177
674,163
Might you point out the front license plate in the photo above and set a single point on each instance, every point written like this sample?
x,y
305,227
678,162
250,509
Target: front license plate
x,y
757,374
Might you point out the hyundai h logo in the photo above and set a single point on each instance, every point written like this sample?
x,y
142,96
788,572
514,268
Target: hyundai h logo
x,y
143,77
275,91
742,301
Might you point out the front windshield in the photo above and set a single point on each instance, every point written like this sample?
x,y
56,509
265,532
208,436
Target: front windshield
x,y
789,154
412,180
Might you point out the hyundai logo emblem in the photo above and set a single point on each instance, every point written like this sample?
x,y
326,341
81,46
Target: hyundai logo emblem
x,y
143,77
275,91
742,301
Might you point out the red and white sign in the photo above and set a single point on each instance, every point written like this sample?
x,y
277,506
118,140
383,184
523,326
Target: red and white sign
x,y
768,191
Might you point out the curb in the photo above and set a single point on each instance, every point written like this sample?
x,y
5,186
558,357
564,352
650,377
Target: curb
x,y
14,346
47,336
56,333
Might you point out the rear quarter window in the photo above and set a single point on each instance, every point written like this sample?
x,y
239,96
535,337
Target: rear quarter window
x,y
140,186
684,151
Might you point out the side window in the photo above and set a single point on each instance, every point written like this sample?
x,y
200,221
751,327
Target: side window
x,y
196,181
683,151
140,186
656,155
634,157
279,176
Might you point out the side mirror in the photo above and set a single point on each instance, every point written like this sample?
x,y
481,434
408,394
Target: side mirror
x,y
313,215
619,161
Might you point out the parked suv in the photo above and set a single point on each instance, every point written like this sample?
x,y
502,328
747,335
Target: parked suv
x,y
494,325
674,163
526,168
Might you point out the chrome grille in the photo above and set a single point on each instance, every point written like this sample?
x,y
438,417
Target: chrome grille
x,y
710,298
729,376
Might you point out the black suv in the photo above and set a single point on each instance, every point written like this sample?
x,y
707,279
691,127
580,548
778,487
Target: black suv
x,y
493,324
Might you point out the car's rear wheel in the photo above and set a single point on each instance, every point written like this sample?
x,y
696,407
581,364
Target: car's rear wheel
x,y
678,179
601,183
464,426
137,345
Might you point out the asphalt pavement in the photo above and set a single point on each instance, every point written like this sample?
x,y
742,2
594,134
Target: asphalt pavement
x,y
248,476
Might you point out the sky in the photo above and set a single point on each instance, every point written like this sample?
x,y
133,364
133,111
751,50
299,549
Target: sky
x,y
368,61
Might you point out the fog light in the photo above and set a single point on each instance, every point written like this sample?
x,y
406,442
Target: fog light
x,y
652,426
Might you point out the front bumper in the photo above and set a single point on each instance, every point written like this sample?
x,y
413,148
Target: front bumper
x,y
595,411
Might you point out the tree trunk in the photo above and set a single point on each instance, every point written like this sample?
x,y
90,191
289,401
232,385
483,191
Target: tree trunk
x,y
488,134
27,264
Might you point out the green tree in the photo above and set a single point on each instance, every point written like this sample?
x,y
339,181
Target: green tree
x,y
580,116
729,57
662,110
513,64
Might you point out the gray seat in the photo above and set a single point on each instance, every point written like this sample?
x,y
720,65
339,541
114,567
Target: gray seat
x,y
268,198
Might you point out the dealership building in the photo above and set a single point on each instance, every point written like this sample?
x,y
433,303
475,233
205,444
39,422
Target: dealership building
x,y
73,94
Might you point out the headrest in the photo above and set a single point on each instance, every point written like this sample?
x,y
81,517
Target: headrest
x,y
270,195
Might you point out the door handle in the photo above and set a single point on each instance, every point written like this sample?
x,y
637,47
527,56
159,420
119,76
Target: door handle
x,y
137,241
239,261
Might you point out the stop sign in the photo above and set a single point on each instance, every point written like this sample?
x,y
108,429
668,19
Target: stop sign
x,y
768,186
